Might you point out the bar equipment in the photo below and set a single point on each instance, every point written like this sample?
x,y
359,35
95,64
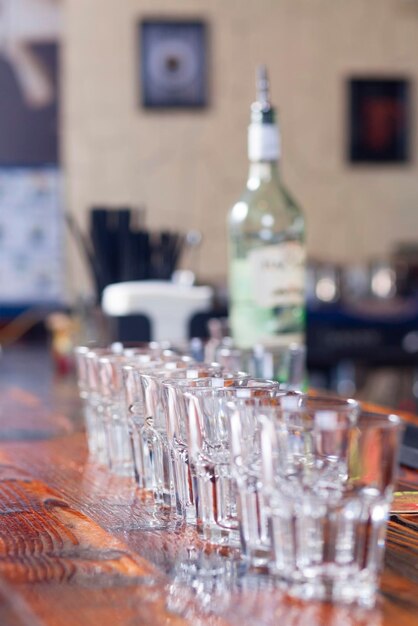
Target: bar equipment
x,y
167,306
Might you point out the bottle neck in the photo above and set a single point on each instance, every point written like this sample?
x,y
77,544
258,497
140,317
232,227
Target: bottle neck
x,y
262,171
263,143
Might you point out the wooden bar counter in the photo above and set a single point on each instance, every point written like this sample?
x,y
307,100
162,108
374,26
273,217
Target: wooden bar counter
x,y
76,547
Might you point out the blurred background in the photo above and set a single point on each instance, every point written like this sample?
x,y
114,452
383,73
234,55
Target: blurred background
x,y
94,142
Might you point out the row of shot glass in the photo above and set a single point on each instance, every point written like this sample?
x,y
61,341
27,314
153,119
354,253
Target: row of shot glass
x,y
301,484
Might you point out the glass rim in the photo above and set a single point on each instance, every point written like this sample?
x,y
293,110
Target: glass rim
x,y
334,403
111,358
182,382
381,419
324,420
329,401
269,385
99,352
163,373
81,349
165,352
154,363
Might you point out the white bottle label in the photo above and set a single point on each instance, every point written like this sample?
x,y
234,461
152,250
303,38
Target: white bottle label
x,y
263,142
277,274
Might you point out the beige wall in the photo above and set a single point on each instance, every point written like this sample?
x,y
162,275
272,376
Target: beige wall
x,y
187,168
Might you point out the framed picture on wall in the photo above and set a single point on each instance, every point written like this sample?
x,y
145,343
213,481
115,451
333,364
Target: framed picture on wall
x,y
32,258
173,65
379,125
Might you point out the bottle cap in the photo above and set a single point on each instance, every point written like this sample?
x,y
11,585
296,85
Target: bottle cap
x,y
262,112
263,134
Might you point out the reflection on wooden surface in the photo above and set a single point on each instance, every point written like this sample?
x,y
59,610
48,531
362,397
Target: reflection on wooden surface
x,y
78,546
43,539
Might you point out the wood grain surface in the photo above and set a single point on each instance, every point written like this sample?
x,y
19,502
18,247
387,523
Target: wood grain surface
x,y
79,547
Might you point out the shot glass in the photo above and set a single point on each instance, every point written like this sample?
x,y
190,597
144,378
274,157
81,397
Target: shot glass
x,y
139,407
98,384
86,359
157,430
146,423
245,460
83,387
244,424
175,409
94,410
286,364
328,483
209,448
110,389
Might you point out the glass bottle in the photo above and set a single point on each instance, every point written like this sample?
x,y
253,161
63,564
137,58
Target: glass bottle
x,y
266,232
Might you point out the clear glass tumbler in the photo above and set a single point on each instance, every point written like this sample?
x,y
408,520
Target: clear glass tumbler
x,y
94,410
175,408
141,430
81,353
157,428
286,364
99,382
209,449
146,423
114,413
253,514
328,479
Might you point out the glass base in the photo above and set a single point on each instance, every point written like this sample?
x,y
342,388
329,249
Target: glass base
x,y
257,557
190,514
350,590
221,536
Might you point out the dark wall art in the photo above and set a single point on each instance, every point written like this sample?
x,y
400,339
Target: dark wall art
x,y
173,63
379,120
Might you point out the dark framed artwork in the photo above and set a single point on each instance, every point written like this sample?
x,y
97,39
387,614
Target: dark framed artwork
x,y
173,63
379,124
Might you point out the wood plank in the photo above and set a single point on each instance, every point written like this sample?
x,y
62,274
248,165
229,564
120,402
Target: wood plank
x,y
65,566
